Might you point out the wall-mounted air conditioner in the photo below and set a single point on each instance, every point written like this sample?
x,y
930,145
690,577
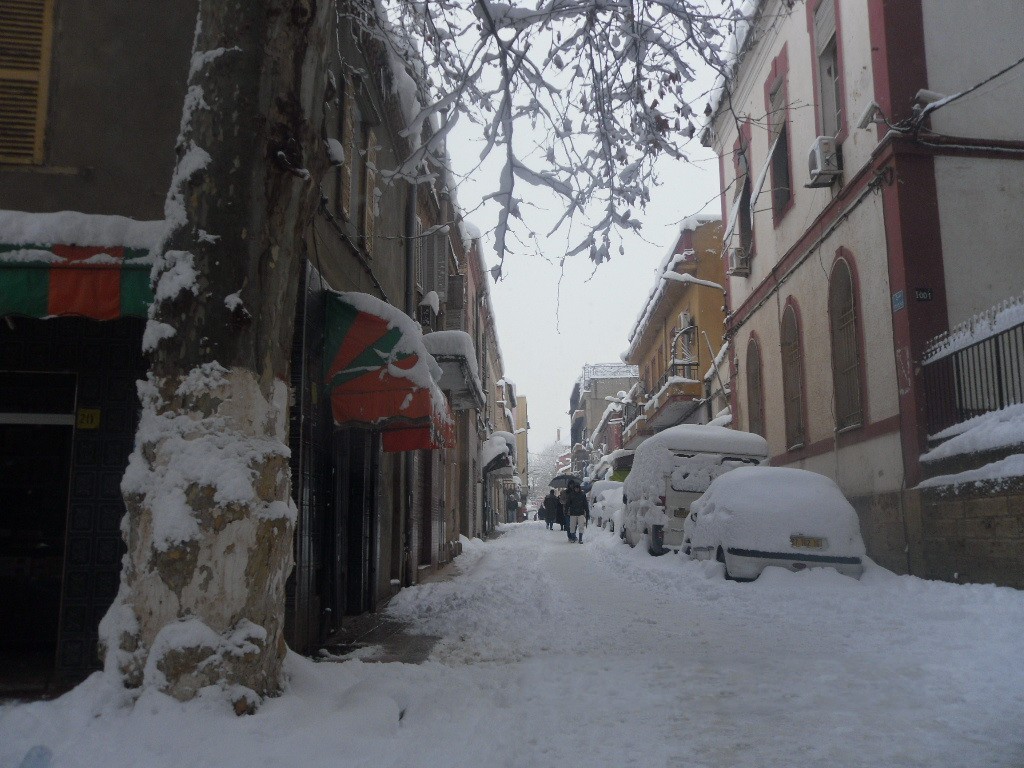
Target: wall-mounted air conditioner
x,y
739,261
685,320
823,162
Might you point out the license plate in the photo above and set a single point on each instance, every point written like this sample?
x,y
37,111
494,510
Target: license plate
x,y
807,542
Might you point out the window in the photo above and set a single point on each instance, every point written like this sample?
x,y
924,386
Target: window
x,y
827,52
745,225
26,28
738,238
778,140
755,390
842,319
792,379
358,174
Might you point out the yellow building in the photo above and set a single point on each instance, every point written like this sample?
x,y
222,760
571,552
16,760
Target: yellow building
x,y
678,334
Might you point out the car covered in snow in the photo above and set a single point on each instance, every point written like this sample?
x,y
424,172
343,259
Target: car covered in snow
x,y
755,517
608,509
594,493
671,469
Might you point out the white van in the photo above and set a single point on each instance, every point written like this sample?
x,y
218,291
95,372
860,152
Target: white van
x,y
672,469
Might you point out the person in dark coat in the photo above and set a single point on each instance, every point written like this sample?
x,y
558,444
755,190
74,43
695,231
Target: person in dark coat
x,y
549,509
578,511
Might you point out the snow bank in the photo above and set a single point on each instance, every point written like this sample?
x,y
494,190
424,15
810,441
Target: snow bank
x,y
990,431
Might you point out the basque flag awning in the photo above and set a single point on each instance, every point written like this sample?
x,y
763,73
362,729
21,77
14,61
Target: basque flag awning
x,y
379,374
102,283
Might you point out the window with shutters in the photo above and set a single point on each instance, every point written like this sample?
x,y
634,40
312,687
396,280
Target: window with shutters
x,y
827,69
26,29
755,390
792,379
778,140
370,198
842,318
358,198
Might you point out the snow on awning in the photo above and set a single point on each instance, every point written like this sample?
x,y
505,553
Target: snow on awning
x,y
381,375
455,353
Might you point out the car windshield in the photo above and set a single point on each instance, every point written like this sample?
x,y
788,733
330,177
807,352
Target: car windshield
x,y
696,472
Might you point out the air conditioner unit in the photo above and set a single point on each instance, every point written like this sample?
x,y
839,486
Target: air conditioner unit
x,y
739,261
823,162
685,320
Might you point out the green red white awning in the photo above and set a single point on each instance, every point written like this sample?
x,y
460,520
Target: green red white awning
x,y
99,282
380,374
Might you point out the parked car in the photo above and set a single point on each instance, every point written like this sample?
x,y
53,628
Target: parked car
x,y
597,488
609,510
672,469
755,517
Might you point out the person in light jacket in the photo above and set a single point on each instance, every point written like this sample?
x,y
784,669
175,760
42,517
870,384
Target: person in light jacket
x,y
578,511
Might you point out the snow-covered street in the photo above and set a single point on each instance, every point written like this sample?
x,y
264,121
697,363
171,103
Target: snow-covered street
x,y
557,654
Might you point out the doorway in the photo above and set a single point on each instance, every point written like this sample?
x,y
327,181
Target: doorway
x,y
36,437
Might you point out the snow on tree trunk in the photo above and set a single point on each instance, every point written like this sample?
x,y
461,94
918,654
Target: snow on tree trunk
x,y
210,519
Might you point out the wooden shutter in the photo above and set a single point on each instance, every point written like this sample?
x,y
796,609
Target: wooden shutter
x,y
792,380
845,352
755,391
441,266
370,191
26,28
349,144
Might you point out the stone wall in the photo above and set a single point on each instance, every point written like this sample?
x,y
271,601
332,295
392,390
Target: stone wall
x,y
974,535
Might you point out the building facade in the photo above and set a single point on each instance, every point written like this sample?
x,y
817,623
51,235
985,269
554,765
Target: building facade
x,y
866,214
678,334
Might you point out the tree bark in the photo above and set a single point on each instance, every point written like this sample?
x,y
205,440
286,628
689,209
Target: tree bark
x,y
210,519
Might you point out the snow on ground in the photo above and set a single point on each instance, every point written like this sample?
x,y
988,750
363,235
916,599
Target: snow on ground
x,y
557,654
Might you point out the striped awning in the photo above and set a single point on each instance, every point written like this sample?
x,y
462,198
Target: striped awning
x,y
98,282
379,374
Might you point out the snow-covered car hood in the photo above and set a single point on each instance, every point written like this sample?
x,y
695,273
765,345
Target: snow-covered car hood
x,y
760,508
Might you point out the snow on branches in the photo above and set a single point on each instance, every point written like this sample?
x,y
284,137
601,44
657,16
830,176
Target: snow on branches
x,y
599,88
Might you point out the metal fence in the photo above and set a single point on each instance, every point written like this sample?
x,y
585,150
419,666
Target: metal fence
x,y
976,369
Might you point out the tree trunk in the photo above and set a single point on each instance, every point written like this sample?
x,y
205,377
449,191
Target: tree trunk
x,y
210,518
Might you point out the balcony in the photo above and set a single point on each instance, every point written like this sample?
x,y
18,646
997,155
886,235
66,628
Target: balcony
x,y
677,394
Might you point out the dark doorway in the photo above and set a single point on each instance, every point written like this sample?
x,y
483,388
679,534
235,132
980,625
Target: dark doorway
x,y
36,434
353,575
426,480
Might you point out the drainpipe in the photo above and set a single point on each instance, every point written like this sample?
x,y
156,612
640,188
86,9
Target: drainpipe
x,y
410,310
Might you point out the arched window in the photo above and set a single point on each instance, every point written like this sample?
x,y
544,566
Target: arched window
x,y
755,390
792,379
842,320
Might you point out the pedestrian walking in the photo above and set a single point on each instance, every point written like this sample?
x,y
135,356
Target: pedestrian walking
x,y
578,511
549,509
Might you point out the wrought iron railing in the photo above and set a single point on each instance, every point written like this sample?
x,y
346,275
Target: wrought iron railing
x,y
976,368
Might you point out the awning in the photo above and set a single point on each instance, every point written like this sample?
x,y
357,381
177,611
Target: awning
x,y
380,374
102,283
762,176
455,353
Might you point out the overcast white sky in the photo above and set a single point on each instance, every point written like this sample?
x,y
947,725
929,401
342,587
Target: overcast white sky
x,y
547,333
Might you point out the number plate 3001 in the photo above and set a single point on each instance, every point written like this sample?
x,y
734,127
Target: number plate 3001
x,y
807,542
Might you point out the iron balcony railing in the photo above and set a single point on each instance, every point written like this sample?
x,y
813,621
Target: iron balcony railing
x,y
976,368
687,369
